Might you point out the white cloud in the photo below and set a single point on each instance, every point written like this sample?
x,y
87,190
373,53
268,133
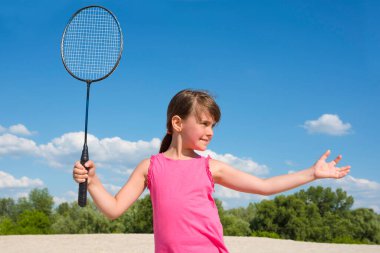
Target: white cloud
x,y
68,197
329,124
19,129
65,150
9,181
223,192
113,189
116,153
365,192
123,171
16,146
243,164
290,163
59,200
359,183
22,194
122,155
232,199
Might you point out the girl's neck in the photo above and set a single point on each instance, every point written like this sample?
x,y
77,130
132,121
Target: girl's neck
x,y
180,154
178,151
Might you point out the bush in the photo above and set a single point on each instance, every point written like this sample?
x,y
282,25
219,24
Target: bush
x,y
266,234
347,239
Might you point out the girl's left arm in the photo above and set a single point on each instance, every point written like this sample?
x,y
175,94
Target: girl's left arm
x,y
229,177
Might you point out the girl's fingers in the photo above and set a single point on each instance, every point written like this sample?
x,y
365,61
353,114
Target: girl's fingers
x,y
325,155
89,164
80,171
79,178
337,159
78,165
345,168
343,171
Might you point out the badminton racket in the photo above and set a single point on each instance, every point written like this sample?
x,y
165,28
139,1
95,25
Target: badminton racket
x,y
91,48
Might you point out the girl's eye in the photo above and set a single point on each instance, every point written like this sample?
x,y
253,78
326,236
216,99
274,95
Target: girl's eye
x,y
207,124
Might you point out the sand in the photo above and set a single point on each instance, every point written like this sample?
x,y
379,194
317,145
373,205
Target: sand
x,y
144,243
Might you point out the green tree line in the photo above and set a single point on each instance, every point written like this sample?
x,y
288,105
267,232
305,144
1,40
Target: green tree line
x,y
317,214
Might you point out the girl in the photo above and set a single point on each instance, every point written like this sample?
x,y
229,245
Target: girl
x,y
181,182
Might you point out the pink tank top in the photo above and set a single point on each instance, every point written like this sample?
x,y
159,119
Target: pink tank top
x,y
185,217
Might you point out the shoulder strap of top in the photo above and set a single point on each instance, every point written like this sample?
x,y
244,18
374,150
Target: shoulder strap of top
x,y
207,159
150,173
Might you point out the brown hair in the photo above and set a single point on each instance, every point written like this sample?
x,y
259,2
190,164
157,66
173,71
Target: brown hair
x,y
183,104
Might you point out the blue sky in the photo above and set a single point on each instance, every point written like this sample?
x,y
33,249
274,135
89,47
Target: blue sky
x,y
293,79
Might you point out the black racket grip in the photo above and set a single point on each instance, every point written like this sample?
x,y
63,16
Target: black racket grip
x,y
82,192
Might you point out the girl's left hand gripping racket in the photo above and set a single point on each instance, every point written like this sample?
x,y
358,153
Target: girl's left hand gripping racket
x,y
91,48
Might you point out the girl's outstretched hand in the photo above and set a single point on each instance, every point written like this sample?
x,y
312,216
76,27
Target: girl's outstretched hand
x,y
323,169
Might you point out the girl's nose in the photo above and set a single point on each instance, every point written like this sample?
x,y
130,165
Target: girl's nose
x,y
210,131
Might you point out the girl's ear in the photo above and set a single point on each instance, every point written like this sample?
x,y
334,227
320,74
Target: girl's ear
x,y
177,123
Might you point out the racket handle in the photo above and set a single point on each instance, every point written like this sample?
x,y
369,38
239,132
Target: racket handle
x,y
82,193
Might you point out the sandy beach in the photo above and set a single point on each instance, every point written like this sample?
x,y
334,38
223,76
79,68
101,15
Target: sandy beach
x,y
144,243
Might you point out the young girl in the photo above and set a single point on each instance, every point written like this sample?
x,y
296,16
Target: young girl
x,y
181,182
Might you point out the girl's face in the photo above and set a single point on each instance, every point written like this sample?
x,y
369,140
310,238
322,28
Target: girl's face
x,y
197,132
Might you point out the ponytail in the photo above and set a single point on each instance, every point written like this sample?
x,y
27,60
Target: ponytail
x,y
165,144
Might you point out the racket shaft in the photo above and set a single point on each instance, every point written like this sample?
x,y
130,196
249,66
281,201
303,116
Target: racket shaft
x,y
82,193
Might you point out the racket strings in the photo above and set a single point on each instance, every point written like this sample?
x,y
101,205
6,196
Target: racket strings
x,y
92,44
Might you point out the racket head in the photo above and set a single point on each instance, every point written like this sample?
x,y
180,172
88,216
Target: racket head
x,y
92,44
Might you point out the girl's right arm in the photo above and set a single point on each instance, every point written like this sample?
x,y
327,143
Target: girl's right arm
x,y
113,206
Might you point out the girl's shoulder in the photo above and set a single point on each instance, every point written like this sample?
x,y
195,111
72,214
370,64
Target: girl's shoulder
x,y
215,167
143,166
